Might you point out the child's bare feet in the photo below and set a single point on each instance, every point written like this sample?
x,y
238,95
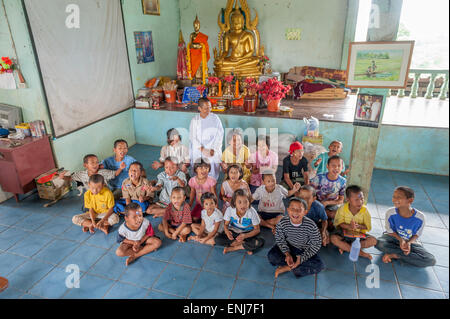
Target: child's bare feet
x,y
130,260
85,229
105,229
249,252
182,239
341,251
226,250
273,229
92,229
387,258
280,270
366,255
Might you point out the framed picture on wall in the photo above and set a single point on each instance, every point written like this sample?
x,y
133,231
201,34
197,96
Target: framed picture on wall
x,y
368,110
144,47
150,7
379,64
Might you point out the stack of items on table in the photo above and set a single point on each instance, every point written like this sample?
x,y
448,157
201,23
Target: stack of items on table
x,y
317,83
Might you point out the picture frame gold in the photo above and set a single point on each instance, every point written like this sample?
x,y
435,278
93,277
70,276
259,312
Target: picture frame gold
x,y
151,7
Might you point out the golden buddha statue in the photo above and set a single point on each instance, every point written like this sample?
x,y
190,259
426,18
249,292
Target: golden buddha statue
x,y
240,52
198,54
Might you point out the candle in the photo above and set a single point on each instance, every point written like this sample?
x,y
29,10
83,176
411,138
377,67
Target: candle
x,y
237,89
220,88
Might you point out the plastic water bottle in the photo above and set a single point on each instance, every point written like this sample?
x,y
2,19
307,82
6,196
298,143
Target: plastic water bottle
x,y
354,251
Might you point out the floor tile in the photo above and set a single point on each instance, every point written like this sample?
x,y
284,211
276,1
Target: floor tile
x,y
160,295
33,221
381,289
9,217
281,293
333,260
385,271
166,251
258,269
419,277
109,266
11,293
28,296
245,289
177,280
300,284
100,239
143,272
336,284
439,252
84,257
31,244
56,251
3,228
442,274
204,289
91,287
74,232
441,208
56,226
28,274
228,264
436,236
9,262
124,291
53,285
191,254
11,236
409,292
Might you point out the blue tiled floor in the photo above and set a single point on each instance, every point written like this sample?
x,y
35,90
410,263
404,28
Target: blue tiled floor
x,y
37,244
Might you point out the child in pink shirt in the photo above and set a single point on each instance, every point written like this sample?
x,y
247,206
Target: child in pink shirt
x,y
200,184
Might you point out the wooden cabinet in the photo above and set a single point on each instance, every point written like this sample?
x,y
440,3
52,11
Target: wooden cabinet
x,y
20,165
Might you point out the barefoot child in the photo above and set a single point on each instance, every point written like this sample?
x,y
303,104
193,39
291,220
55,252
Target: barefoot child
x,y
236,153
136,235
295,167
241,227
234,182
177,217
270,196
174,149
316,211
99,200
297,243
404,225
200,184
212,221
167,181
353,220
136,189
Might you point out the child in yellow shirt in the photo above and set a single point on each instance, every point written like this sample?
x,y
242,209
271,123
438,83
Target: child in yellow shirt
x,y
353,220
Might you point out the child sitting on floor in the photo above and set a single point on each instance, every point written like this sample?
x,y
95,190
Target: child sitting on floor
x,y
297,243
174,149
200,184
236,153
212,221
241,227
136,189
136,235
330,187
99,200
295,167
120,163
167,181
353,220
262,160
320,162
234,182
177,218
316,211
270,196
404,225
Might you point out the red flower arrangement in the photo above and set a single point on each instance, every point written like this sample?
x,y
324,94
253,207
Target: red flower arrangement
x,y
229,78
212,80
201,89
265,58
6,65
272,89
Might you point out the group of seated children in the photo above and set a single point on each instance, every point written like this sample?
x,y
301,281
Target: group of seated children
x,y
316,213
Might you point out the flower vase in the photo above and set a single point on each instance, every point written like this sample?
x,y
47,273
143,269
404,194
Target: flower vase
x,y
273,105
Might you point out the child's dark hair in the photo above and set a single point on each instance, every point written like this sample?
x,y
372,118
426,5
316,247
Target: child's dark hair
x,y
352,189
119,141
171,159
171,133
179,189
239,192
200,163
264,175
208,195
408,191
131,207
309,188
96,179
238,167
263,137
298,200
141,167
334,157
202,101
87,157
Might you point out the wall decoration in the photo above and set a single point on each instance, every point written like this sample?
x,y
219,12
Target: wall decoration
x,y
151,7
293,33
379,64
368,110
144,47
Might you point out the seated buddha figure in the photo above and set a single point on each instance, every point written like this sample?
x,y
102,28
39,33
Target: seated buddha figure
x,y
239,48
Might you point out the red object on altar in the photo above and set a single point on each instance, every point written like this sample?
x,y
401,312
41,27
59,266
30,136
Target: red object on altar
x,y
182,72
196,54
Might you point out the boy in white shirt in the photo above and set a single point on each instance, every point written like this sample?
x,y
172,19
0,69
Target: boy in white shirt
x,y
212,221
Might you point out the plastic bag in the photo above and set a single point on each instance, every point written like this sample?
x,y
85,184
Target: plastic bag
x,y
312,126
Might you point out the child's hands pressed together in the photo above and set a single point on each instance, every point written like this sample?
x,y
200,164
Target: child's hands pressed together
x,y
240,238
297,187
122,165
136,246
228,233
405,246
289,260
296,264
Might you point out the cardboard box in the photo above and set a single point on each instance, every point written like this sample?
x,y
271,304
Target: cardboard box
x,y
53,189
313,140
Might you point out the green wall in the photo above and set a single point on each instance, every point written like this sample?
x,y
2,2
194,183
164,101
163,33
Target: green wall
x,y
322,24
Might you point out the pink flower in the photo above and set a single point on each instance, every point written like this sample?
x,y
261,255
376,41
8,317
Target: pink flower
x,y
228,78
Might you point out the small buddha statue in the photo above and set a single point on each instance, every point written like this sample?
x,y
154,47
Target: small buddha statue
x,y
197,59
238,50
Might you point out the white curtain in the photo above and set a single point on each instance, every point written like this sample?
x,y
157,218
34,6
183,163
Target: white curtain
x,y
85,70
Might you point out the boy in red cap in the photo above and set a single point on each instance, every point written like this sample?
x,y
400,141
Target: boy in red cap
x,y
295,167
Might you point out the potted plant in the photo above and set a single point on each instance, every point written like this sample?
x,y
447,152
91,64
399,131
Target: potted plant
x,y
273,91
212,82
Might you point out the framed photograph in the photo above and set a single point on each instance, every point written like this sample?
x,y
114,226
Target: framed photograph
x,y
368,110
144,47
379,64
150,7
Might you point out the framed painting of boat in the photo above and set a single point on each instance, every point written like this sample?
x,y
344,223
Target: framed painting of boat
x,y
379,64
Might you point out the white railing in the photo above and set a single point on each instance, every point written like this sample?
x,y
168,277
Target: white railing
x,y
432,85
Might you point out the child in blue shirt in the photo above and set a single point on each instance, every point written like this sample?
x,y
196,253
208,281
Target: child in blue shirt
x,y
404,225
119,162
320,162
